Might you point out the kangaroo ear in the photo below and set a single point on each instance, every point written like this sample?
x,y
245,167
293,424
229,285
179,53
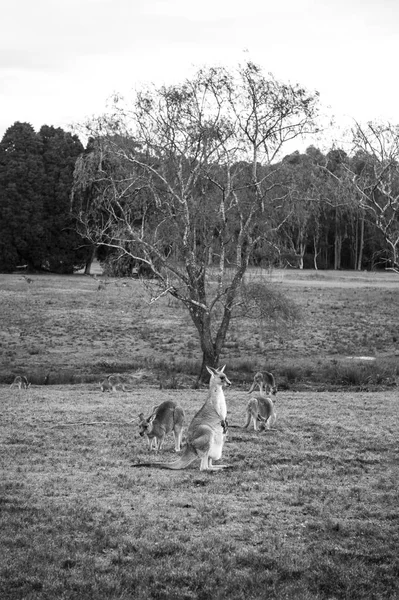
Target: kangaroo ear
x,y
221,370
210,370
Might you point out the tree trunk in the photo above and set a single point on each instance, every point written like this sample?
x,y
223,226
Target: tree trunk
x,y
361,245
210,355
356,245
337,251
207,361
316,251
90,260
302,248
337,243
212,347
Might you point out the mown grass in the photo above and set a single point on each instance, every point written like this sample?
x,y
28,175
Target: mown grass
x,y
307,511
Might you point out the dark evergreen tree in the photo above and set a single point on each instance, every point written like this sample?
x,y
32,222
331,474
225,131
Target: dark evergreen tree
x,y
21,205
63,245
37,228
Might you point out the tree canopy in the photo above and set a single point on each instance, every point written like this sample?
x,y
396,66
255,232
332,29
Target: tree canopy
x,y
37,228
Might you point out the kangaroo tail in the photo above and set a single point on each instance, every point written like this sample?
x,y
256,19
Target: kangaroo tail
x,y
188,456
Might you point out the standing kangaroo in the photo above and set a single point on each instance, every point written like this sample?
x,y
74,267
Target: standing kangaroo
x,y
260,408
207,430
164,418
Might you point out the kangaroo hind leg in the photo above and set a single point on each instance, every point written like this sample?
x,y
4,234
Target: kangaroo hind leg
x,y
178,433
206,464
212,467
159,442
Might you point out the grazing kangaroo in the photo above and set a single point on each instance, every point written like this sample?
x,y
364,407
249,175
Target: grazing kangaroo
x,y
267,380
164,419
207,430
111,383
20,382
260,408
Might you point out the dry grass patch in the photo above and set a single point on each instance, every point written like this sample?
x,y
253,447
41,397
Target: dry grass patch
x,y
61,323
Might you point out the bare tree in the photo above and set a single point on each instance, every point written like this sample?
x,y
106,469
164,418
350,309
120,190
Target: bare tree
x,y
181,185
375,175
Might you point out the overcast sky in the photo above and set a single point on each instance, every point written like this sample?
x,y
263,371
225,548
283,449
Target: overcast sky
x,y
60,60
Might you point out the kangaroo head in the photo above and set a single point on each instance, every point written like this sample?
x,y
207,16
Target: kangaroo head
x,y
105,384
145,424
218,375
257,382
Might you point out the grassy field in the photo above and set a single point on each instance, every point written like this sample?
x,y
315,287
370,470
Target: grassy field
x,y
70,329
308,511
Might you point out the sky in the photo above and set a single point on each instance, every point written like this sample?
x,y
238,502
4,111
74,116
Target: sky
x,y
61,60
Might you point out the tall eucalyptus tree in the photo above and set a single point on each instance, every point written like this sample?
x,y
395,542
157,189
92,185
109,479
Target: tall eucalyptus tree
x,y
374,174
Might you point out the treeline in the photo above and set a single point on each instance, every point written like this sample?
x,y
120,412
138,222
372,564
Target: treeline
x,y
323,220
37,227
316,210
333,213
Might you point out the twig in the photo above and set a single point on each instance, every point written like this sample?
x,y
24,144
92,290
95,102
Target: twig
x,y
154,299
